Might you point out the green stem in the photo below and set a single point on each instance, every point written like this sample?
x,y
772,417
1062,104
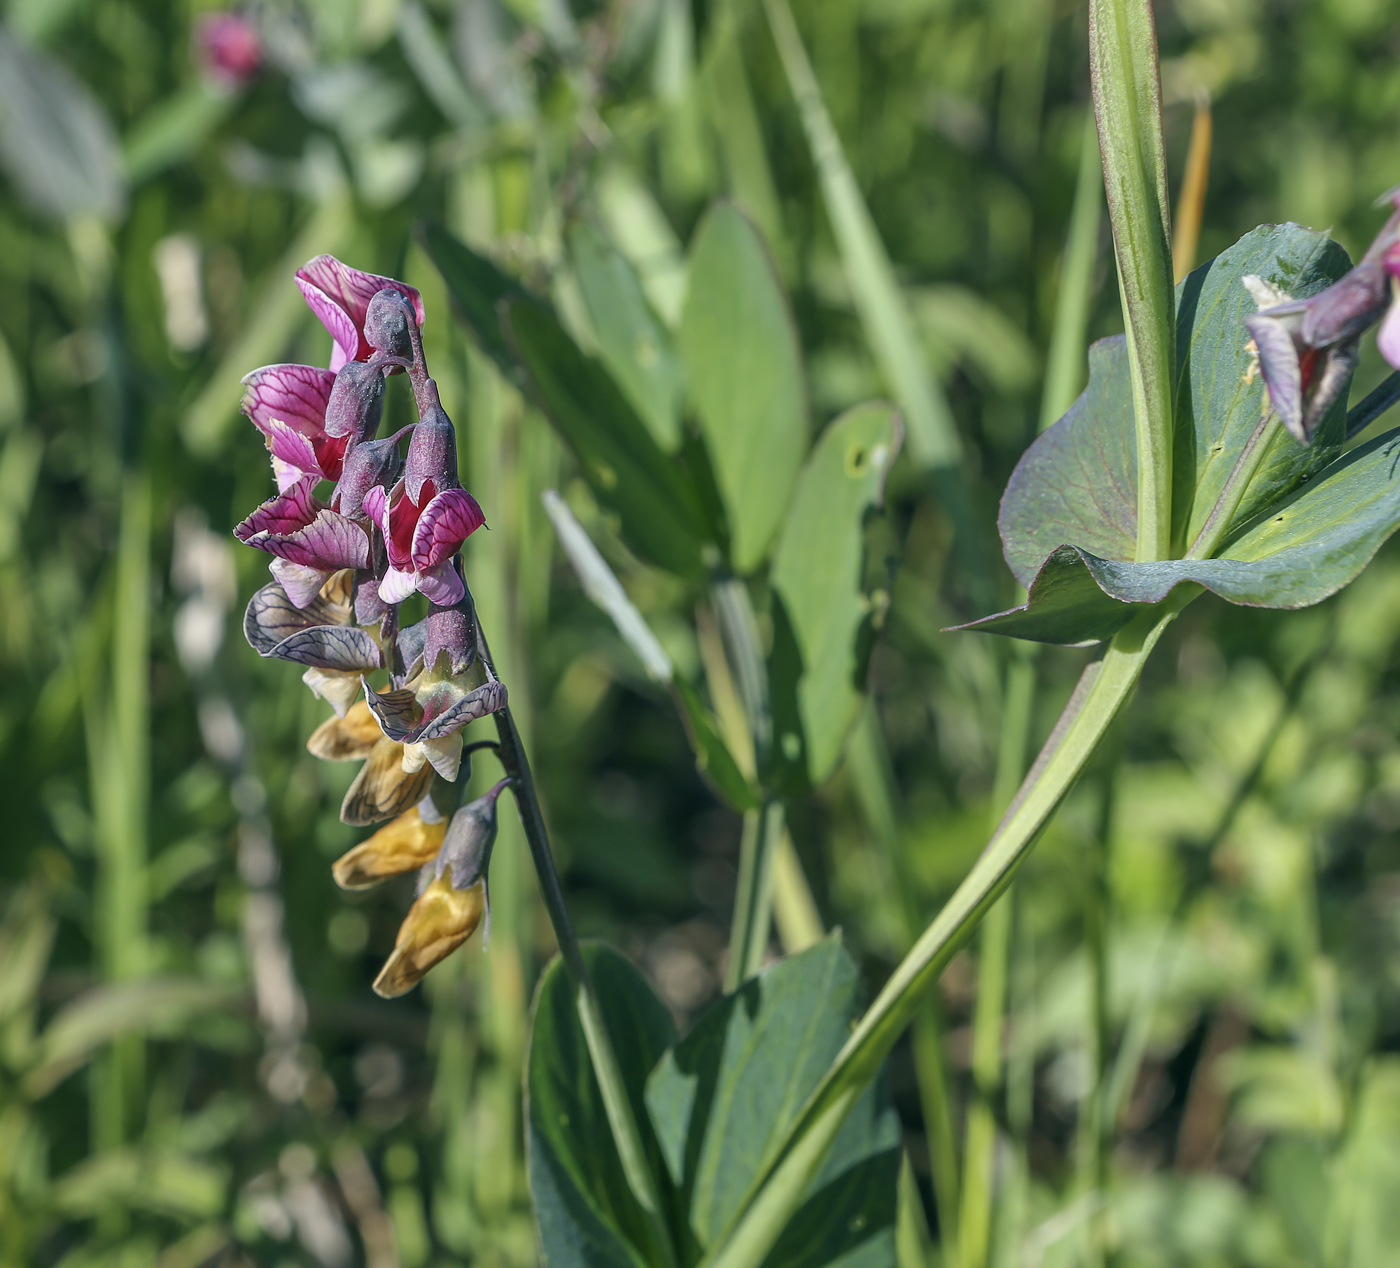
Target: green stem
x,y
793,1161
626,1134
869,765
1128,108
1065,363
753,899
975,1224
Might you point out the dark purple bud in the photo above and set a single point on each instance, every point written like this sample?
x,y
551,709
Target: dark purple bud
x,y
432,454
466,849
356,401
390,323
450,631
369,607
370,464
1348,307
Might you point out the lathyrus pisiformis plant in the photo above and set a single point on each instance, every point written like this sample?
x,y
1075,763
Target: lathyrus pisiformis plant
x,y
1206,453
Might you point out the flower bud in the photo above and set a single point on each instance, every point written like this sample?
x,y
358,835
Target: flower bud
x,y
390,321
356,400
432,453
369,464
466,848
450,631
404,845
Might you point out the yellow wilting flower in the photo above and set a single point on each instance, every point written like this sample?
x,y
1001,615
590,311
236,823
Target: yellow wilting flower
x,y
452,898
383,788
437,924
407,843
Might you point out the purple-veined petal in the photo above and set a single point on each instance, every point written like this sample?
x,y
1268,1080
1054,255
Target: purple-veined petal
x,y
396,586
1388,339
346,648
443,525
292,394
441,585
302,585
329,542
290,510
397,711
270,617
488,698
1283,376
376,506
339,296
293,455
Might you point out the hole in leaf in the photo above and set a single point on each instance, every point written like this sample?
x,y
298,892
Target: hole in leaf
x,y
857,459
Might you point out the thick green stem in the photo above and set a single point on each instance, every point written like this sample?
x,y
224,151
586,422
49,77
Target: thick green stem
x,y
793,1161
622,1121
1128,108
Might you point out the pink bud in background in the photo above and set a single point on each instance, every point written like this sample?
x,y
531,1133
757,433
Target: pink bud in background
x,y
228,47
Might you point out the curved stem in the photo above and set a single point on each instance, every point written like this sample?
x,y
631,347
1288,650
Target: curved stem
x,y
794,1160
626,1134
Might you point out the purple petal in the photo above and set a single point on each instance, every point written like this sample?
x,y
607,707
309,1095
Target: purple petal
x,y
342,647
443,525
290,510
273,617
1278,362
1388,340
293,455
329,284
396,586
293,394
376,506
489,698
303,585
329,542
441,585
397,711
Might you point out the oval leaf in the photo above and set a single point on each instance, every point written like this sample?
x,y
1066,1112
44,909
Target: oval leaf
x,y
744,368
587,1215
633,343
740,1077
820,612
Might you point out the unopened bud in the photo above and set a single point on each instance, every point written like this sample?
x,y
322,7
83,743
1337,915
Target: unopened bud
x,y
451,631
389,321
356,400
369,464
466,849
432,454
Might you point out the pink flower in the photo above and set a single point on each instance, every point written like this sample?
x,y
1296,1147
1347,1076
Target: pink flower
x,y
229,48
308,540
287,403
421,538
1388,338
340,296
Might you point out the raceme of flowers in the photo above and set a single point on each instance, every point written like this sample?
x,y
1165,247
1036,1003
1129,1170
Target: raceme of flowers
x,y
343,561
1308,348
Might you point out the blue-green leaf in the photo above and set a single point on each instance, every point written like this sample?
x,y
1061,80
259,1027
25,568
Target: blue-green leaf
x,y
739,1078
744,368
822,615
587,1215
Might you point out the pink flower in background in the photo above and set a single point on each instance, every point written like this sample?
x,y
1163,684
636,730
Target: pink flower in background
x,y
340,296
229,48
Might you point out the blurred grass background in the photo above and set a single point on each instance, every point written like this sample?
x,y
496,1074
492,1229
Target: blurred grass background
x,y
1203,985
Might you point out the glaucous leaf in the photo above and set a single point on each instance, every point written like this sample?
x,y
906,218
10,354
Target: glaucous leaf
x,y
740,1076
1295,554
744,368
587,1215
821,614
634,345
1219,390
